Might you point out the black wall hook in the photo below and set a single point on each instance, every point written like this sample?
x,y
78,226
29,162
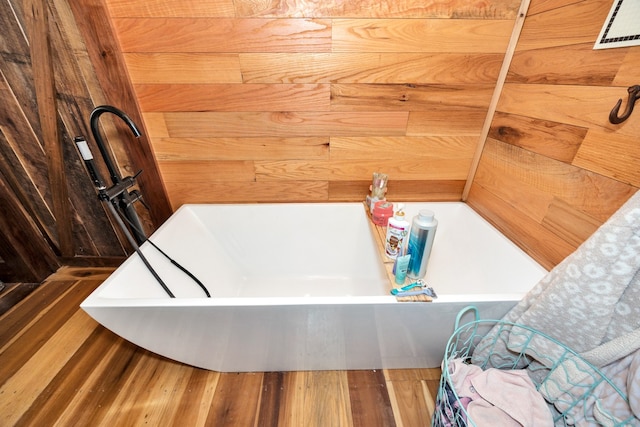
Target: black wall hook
x,y
634,95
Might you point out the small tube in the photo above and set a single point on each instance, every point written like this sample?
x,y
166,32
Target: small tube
x,y
402,265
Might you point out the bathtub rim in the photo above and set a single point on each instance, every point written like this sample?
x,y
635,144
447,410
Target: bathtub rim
x,y
96,298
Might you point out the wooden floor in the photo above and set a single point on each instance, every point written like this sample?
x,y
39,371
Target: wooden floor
x,y
59,367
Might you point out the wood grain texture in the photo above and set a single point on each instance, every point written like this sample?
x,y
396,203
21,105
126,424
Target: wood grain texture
x,y
63,368
223,35
284,124
627,73
554,168
347,170
552,139
37,20
22,262
360,97
416,35
539,242
380,9
570,224
573,64
443,121
207,170
363,67
309,191
248,192
508,168
13,293
430,148
71,86
170,8
258,148
233,97
106,57
289,70
172,68
610,155
576,105
563,23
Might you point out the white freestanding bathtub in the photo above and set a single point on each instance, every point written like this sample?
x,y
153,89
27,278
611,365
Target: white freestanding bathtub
x,y
303,287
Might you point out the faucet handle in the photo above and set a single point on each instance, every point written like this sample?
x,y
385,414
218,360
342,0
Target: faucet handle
x,y
136,196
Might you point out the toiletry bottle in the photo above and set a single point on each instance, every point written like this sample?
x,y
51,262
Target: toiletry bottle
x,y
423,231
397,231
401,267
378,189
382,211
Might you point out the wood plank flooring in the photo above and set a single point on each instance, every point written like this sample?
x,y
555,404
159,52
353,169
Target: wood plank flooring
x,y
59,367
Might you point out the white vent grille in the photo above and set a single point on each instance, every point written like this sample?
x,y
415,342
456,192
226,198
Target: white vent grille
x,y
622,27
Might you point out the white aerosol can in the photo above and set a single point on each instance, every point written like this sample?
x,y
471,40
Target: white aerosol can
x,y
423,231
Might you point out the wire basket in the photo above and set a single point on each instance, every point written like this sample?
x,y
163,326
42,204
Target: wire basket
x,y
576,392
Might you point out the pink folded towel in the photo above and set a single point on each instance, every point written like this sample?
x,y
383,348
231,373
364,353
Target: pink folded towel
x,y
499,397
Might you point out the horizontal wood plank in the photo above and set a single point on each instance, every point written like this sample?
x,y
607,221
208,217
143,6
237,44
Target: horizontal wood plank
x,y
611,155
454,121
505,168
194,171
233,97
408,97
195,68
539,242
261,148
628,73
426,147
552,139
361,67
569,223
156,125
223,35
568,23
247,192
347,170
380,8
399,190
170,8
284,124
576,105
421,35
568,65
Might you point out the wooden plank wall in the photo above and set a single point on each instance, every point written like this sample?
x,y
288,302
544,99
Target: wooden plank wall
x,y
553,168
50,214
27,184
278,101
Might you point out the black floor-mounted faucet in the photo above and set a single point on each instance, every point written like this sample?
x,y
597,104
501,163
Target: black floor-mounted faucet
x,y
118,198
119,190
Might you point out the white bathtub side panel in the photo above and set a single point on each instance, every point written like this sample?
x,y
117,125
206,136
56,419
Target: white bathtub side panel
x,y
294,337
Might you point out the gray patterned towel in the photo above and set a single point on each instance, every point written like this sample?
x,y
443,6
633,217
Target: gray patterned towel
x,y
590,302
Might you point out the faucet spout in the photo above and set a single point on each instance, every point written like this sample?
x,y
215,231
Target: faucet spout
x,y
94,118
118,194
